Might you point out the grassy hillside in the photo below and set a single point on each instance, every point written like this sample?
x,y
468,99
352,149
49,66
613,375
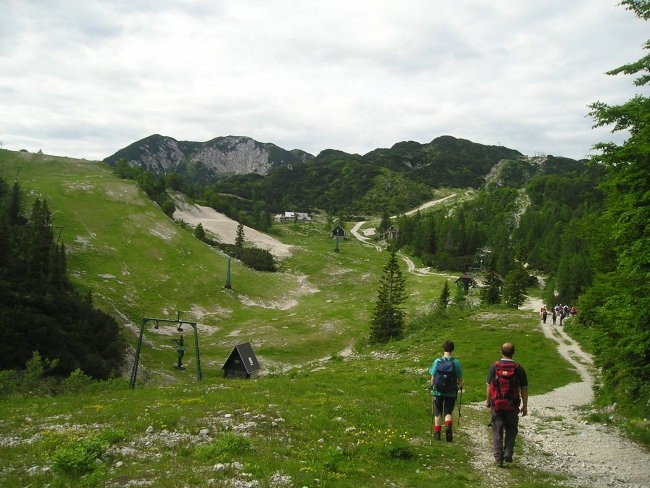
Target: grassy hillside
x,y
319,417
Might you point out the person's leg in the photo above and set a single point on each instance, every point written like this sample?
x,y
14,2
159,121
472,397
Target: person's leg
x,y
448,410
437,411
497,437
511,428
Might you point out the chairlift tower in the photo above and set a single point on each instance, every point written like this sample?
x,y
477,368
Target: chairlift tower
x,y
134,371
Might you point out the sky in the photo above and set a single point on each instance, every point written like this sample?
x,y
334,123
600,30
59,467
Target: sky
x,y
85,78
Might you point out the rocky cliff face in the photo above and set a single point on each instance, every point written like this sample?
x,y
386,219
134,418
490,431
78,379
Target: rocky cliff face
x,y
231,155
235,155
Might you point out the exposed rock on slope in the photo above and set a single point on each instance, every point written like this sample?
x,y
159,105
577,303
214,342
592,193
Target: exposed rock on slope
x,y
231,155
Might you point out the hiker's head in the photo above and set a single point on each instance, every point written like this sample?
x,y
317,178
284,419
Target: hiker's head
x,y
448,346
508,350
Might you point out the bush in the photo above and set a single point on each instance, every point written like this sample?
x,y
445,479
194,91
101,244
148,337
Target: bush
x,y
253,257
76,382
78,459
224,448
8,383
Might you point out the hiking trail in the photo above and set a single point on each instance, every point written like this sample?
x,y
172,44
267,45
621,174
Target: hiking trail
x,y
555,438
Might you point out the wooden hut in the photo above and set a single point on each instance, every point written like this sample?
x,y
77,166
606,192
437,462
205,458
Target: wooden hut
x,y
241,363
466,280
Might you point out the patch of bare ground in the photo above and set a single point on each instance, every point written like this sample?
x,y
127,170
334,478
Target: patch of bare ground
x,y
224,229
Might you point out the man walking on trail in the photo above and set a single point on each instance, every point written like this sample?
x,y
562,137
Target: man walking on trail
x,y
446,379
507,395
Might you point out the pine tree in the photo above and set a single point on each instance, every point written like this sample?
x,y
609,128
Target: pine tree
x,y
388,318
239,238
617,307
460,296
385,223
491,293
514,288
199,232
445,295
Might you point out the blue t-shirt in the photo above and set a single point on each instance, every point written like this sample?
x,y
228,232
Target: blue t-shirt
x,y
458,369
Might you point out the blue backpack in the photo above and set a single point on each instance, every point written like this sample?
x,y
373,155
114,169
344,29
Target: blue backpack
x,y
444,379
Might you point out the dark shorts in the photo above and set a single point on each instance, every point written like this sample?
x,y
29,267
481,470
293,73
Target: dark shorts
x,y
443,404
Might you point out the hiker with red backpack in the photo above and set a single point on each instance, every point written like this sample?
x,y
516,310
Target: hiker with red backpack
x,y
507,396
446,379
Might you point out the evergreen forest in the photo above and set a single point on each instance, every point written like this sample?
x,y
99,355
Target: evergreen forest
x,y
40,311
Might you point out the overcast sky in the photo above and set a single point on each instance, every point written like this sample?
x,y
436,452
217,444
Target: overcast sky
x,y
85,78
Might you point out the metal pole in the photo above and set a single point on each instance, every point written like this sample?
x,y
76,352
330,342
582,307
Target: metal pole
x,y
227,286
134,371
432,415
199,373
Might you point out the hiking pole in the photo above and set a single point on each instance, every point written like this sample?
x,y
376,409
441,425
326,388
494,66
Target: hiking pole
x,y
431,428
460,402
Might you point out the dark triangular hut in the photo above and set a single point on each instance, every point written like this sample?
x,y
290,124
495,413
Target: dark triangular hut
x,y
241,363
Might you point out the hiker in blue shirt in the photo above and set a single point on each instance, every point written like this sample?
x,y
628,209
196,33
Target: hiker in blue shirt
x,y
446,379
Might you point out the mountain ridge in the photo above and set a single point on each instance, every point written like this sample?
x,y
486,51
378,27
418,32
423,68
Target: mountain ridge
x,y
220,156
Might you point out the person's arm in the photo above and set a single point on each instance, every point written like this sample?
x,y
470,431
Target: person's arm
x,y
523,381
524,402
488,403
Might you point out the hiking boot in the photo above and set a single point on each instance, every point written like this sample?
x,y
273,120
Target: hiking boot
x,y
500,463
449,434
507,459
436,435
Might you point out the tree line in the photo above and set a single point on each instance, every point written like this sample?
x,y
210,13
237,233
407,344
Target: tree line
x,y
40,311
586,228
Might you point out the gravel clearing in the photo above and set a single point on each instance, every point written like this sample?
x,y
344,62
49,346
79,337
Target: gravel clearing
x,y
224,229
556,439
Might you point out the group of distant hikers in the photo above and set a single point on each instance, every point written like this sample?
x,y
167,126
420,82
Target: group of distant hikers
x,y
558,311
506,395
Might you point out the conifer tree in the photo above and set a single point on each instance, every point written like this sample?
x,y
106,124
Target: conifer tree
x,y
199,232
239,237
388,317
491,292
460,296
385,223
514,288
617,307
445,295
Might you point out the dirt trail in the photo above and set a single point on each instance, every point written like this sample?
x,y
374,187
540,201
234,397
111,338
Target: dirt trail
x,y
556,439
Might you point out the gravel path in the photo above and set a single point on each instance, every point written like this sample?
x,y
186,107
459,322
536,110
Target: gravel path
x,y
556,439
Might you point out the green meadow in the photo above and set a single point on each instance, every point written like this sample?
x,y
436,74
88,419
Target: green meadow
x,y
328,410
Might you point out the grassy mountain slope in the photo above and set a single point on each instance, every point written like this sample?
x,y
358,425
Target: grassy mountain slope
x,y
359,418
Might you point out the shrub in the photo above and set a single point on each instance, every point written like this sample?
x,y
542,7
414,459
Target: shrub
x,y
79,458
224,448
8,383
253,257
76,382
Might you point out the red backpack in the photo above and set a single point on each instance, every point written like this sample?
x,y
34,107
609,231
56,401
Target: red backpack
x,y
504,386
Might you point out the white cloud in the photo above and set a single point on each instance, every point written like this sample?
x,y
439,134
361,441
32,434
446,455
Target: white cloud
x,y
86,78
